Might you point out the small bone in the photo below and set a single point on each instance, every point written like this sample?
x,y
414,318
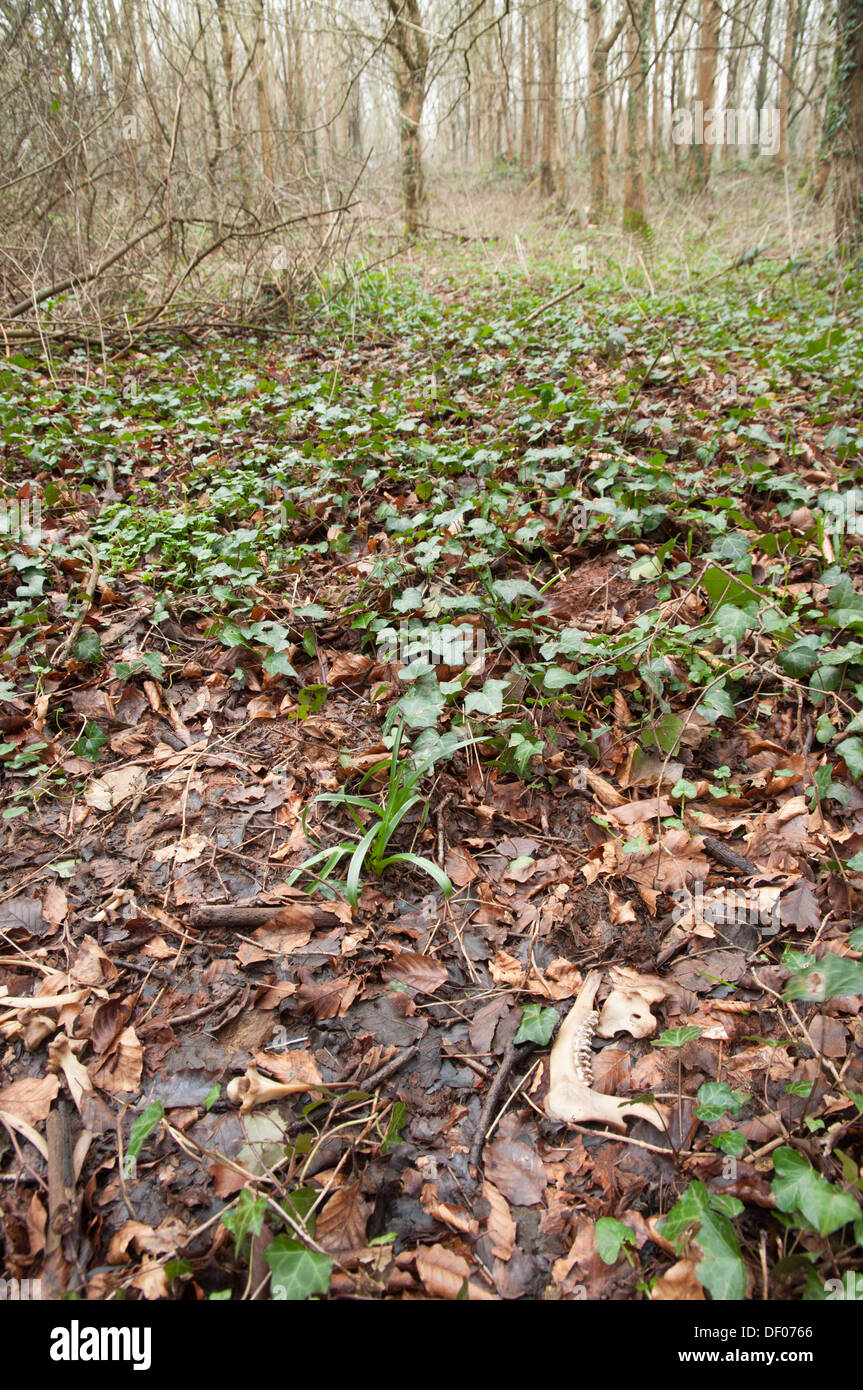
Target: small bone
x,y
570,1094
627,1008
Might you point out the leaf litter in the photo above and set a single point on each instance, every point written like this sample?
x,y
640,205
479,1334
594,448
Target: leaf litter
x,y
561,716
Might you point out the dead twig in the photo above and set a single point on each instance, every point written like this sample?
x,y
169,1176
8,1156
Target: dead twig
x,y
507,1062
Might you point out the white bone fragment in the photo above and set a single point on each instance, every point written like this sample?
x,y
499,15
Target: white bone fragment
x,y
570,1095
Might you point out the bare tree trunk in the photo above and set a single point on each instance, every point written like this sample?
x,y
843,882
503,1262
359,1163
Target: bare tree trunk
x,y
761,80
227,39
636,121
733,69
549,99
699,152
410,60
527,80
844,126
785,79
263,105
597,130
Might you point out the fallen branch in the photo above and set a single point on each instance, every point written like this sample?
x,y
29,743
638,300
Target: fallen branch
x,y
62,1202
729,857
550,303
60,286
507,1062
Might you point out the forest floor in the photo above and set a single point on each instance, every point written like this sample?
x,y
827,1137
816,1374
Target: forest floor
x,y
554,596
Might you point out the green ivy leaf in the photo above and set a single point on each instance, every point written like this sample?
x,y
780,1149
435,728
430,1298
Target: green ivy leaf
x,y
678,1037
296,1273
246,1218
716,1099
88,647
721,1270
851,752
537,1024
825,979
798,1188
611,1236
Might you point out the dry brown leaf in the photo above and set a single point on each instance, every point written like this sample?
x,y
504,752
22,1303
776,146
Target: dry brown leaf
x,y
296,1068
110,791
561,980
419,972
678,1283
329,1000
151,1281
516,1170
461,866
163,1240
91,965
458,1218
121,1073
29,1098
499,1223
444,1275
341,1225
54,905
619,910
77,1077
349,668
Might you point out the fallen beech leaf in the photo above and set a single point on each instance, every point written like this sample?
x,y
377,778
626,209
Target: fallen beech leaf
x,y
329,1000
91,965
151,1281
678,1283
110,791
29,1098
54,905
500,1225
163,1240
108,1020
341,1225
516,1170
296,1068
461,866
349,668
619,910
444,1274
423,973
183,851
77,1077
456,1217
121,1073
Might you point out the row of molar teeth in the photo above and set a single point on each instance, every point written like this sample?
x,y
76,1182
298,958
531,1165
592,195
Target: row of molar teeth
x,y
581,1054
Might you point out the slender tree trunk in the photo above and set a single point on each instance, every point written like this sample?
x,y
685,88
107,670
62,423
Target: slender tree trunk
x,y
636,120
699,151
844,126
410,54
263,105
761,80
596,120
527,104
549,108
227,40
733,70
785,85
